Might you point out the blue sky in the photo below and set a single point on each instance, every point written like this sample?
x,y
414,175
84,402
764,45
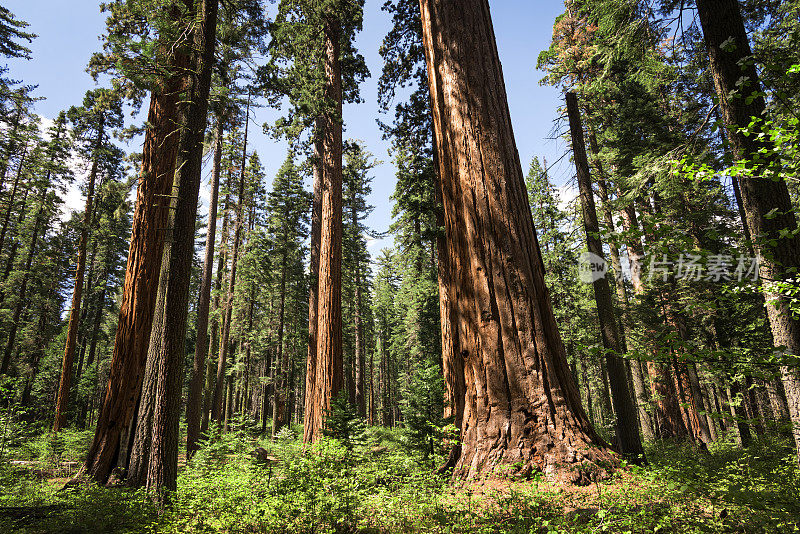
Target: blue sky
x,y
68,34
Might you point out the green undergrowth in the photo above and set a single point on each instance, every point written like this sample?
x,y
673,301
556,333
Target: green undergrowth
x,y
377,483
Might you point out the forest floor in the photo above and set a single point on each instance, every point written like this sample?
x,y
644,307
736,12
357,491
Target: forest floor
x,y
381,485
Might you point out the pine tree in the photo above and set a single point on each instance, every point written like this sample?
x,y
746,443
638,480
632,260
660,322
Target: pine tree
x,y
101,111
287,205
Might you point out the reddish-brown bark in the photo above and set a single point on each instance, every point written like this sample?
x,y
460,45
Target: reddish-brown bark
x,y
316,224
328,375
521,406
163,465
141,278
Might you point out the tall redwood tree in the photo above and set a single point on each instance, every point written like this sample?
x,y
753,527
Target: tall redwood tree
x,y
520,403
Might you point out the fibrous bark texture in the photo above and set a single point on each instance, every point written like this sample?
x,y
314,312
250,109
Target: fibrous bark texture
x,y
521,405
328,376
141,279
316,224
163,465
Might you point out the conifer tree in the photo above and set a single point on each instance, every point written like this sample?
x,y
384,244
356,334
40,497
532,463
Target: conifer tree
x,y
47,181
287,205
91,123
507,322
317,85
152,55
358,163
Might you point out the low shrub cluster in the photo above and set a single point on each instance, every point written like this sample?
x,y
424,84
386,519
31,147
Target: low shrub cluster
x,y
376,483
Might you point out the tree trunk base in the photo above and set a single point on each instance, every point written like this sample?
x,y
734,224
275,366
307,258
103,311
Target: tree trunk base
x,y
563,461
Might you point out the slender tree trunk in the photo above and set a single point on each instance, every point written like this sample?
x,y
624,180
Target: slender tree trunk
x,y
216,403
87,308
371,390
194,402
141,279
12,254
23,287
62,401
606,406
12,196
359,342
627,427
280,385
667,420
211,367
635,366
328,377
11,146
163,466
589,404
519,387
96,321
737,406
767,203
383,380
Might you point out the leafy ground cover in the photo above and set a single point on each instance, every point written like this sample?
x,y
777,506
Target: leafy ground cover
x,y
377,483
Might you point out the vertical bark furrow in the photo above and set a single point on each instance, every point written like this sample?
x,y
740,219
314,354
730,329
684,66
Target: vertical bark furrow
x,y
520,402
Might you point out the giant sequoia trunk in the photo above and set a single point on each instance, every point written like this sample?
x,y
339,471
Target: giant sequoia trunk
x,y
163,466
627,428
141,278
309,410
521,404
766,201
62,401
328,374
